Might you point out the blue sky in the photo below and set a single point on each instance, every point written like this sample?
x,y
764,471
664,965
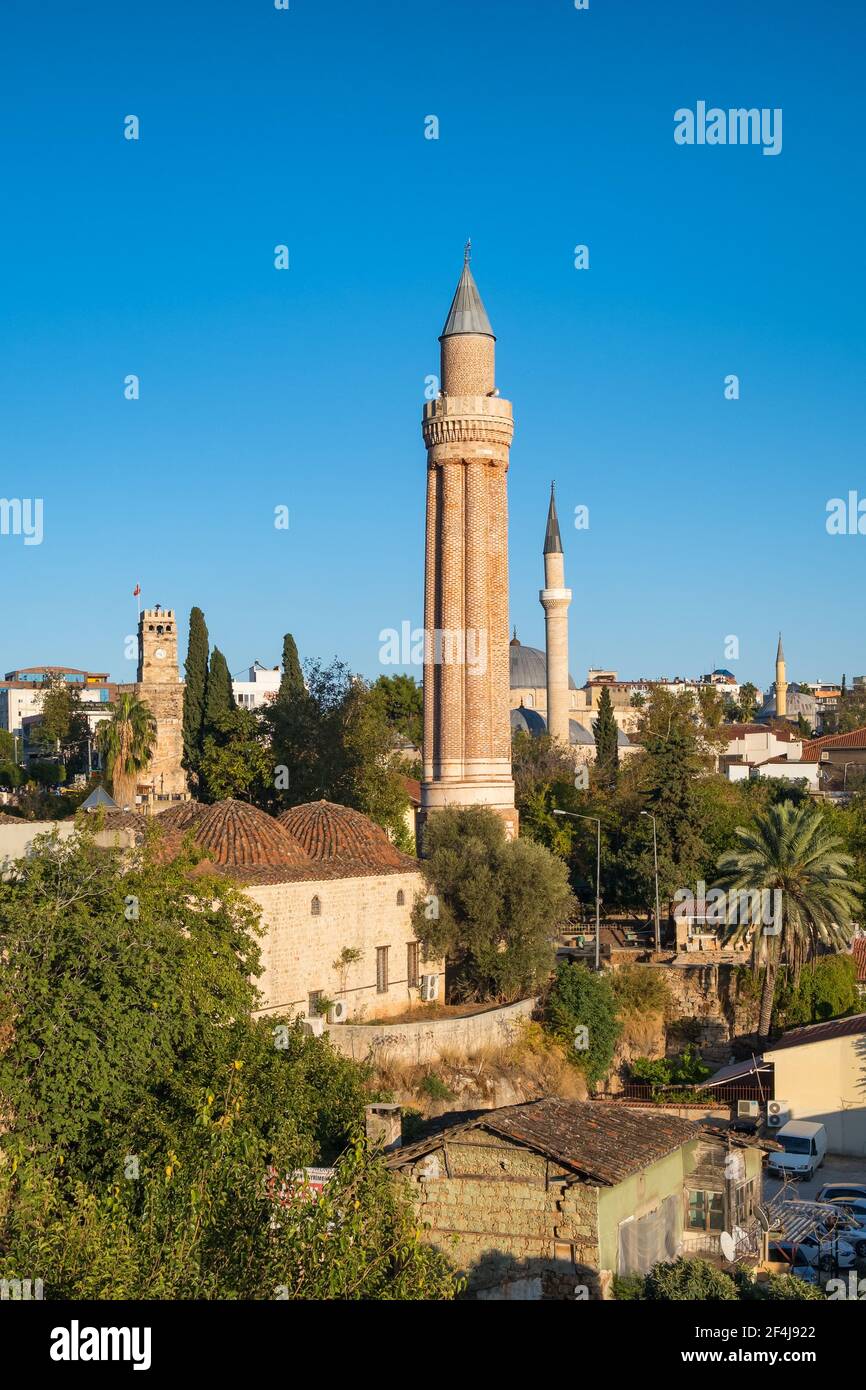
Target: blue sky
x,y
304,388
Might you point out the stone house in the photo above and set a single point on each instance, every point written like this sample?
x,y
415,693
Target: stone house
x,y
550,1199
327,880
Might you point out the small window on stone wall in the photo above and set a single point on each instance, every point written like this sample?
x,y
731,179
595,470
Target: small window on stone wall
x,y
316,907
401,898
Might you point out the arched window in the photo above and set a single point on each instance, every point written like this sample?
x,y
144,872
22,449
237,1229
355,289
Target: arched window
x,y
573,700
400,897
316,907
529,699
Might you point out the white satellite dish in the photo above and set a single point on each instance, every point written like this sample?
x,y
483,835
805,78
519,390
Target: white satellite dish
x,y
729,1248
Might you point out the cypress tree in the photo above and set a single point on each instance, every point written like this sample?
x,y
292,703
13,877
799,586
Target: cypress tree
x,y
219,700
292,682
195,690
606,747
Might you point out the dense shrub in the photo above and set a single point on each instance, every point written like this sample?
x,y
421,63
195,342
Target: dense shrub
x,y
580,999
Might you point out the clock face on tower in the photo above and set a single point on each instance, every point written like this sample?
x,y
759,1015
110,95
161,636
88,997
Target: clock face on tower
x,y
159,654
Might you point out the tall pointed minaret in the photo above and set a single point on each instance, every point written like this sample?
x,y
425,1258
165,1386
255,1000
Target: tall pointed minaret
x,y
781,683
555,599
467,431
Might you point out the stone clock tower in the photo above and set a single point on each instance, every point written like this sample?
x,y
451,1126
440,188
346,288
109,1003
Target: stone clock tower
x,y
158,684
467,431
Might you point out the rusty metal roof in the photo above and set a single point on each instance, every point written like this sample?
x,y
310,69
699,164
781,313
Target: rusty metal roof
x,y
599,1142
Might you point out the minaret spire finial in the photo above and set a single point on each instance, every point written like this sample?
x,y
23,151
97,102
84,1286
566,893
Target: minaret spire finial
x,y
467,251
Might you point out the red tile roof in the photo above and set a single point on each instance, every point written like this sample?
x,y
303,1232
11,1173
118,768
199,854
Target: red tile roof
x,y
340,835
819,1032
813,749
602,1143
858,951
242,836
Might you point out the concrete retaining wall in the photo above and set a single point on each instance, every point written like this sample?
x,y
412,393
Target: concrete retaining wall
x,y
426,1040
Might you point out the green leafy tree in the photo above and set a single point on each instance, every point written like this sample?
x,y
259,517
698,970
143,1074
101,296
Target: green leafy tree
x,y
404,706
749,697
790,850
114,978
236,761
126,742
334,739
675,754
63,729
606,747
827,988
582,1014
495,905
219,699
221,1223
292,679
195,690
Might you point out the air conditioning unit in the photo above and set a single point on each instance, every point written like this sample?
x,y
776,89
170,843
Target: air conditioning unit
x,y
778,1113
748,1110
314,1026
338,1011
429,988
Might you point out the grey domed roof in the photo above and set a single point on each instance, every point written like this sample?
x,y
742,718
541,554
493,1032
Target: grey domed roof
x,y
797,701
622,739
528,721
577,733
529,667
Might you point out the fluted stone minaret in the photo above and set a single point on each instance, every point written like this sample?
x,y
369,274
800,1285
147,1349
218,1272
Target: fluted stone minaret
x,y
467,431
555,599
781,683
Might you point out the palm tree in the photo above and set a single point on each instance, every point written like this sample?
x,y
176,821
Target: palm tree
x,y
790,851
126,741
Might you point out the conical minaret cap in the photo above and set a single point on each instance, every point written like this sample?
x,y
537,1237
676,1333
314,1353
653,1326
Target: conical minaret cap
x,y
780,651
552,538
467,313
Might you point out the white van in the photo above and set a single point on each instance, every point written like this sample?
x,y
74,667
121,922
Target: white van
x,y
804,1146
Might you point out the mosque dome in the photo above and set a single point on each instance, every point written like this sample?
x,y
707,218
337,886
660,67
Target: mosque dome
x,y
242,836
797,702
180,816
341,835
528,667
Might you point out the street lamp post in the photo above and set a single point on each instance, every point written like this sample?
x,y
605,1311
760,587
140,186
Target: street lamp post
x,y
573,815
656,866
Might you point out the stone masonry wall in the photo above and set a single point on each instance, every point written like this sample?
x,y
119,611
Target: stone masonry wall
x,y
505,1216
299,948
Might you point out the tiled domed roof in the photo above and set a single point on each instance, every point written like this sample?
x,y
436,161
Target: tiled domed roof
x,y
242,836
181,815
339,835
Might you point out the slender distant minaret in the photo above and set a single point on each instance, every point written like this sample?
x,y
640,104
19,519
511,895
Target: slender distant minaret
x,y
555,598
781,683
467,431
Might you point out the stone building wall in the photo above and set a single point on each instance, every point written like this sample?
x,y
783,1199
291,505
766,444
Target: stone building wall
x,y
520,1230
300,947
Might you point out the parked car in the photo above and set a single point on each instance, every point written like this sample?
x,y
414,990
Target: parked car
x,y
804,1145
817,1254
836,1191
852,1224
